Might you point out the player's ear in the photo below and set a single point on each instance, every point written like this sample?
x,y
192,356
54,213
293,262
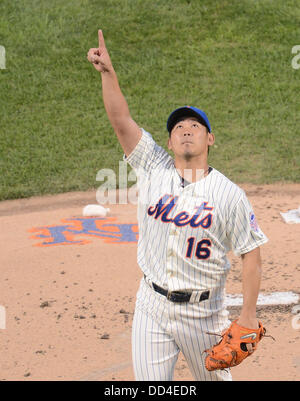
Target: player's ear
x,y
211,139
169,144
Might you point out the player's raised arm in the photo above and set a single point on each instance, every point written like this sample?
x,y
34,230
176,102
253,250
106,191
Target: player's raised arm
x,y
116,107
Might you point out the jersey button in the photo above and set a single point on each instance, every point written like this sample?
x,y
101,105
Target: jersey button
x,y
170,252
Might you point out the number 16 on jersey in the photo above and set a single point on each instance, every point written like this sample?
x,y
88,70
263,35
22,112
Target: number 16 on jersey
x,y
201,248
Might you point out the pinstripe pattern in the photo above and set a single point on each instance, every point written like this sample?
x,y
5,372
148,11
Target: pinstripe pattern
x,y
184,237
161,329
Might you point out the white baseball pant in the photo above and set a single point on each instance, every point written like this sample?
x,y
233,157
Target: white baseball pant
x,y
161,329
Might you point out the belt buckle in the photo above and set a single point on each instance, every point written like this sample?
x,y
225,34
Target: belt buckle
x,y
169,294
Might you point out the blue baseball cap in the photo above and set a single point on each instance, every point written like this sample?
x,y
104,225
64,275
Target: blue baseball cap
x,y
185,112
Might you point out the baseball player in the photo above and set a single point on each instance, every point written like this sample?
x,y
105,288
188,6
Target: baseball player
x,y
189,216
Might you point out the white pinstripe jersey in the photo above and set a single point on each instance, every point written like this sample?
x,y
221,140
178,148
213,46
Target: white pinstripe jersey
x,y
186,232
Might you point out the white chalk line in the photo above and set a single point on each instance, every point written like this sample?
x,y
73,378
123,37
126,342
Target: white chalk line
x,y
266,299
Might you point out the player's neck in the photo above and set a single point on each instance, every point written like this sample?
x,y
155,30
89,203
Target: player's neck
x,y
191,170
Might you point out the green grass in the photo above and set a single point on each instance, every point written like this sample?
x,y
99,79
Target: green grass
x,y
231,58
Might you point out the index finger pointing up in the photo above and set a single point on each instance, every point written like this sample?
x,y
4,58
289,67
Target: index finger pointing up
x,y
101,39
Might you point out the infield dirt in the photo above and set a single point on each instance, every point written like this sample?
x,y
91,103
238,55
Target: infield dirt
x,y
69,289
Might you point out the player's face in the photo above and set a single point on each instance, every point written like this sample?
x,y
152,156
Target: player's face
x,y
189,138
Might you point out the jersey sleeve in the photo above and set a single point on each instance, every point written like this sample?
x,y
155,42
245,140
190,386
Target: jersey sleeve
x,y
243,230
147,154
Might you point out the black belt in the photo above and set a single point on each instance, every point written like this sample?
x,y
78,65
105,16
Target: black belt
x,y
178,296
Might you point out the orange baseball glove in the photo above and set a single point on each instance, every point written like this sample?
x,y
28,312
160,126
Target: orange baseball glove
x,y
232,349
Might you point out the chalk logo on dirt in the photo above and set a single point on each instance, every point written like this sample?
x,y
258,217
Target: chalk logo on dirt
x,y
71,231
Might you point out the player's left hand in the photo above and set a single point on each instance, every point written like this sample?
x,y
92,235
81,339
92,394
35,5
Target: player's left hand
x,y
231,351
